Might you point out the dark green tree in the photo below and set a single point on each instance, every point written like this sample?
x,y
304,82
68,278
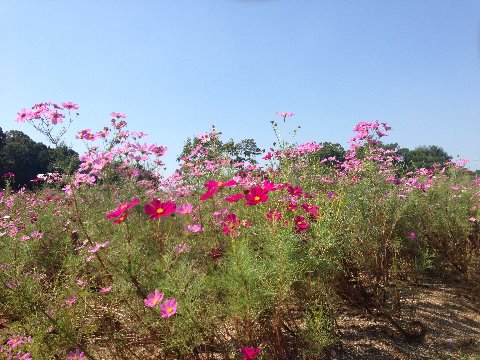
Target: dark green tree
x,y
63,160
423,156
330,150
245,150
26,158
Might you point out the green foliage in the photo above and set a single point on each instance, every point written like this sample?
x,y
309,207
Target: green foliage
x,y
423,157
26,158
244,151
74,276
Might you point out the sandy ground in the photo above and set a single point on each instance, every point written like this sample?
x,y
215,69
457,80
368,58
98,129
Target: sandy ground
x,y
448,313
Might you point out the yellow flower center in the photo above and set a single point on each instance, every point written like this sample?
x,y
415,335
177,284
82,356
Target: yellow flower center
x,y
75,357
169,310
123,206
155,300
299,223
220,183
256,198
160,211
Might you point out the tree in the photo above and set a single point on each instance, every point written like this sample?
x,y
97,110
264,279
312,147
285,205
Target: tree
x,y
63,160
243,151
26,158
3,136
330,150
23,156
423,157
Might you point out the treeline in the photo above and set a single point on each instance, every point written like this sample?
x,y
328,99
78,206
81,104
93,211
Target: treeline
x,y
26,158
420,157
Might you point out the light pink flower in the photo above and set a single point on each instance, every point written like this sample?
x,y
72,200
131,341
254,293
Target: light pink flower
x,y
75,355
71,300
70,105
194,228
55,117
105,289
168,308
24,115
118,115
182,248
153,299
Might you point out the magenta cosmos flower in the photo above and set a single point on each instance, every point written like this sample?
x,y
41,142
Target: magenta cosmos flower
x,y
256,195
168,308
213,187
157,209
153,299
300,224
121,212
234,198
250,352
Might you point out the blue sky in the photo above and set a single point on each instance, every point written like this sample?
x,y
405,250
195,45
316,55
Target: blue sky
x,y
177,67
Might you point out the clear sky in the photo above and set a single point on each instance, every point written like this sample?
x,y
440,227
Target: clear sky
x,y
177,66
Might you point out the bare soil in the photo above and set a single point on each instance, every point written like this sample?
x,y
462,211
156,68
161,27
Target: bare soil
x,y
448,312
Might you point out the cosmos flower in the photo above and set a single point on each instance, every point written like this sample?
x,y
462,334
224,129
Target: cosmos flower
x,y
153,299
168,308
157,209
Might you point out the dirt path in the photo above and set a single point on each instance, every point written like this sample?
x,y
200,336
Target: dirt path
x,y
448,312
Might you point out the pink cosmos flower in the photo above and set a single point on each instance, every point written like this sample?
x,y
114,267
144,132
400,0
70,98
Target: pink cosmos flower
x,y
229,225
185,209
300,224
118,115
295,190
292,207
153,299
70,105
70,301
24,115
121,213
274,215
15,341
285,114
250,352
55,117
213,187
268,156
105,289
75,355
168,308
412,235
234,198
98,246
23,356
157,209
256,195
194,228
312,210
182,248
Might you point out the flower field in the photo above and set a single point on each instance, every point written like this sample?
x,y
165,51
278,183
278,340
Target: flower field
x,y
221,259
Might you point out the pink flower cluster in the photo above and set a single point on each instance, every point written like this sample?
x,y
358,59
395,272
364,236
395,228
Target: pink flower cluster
x,y
167,308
